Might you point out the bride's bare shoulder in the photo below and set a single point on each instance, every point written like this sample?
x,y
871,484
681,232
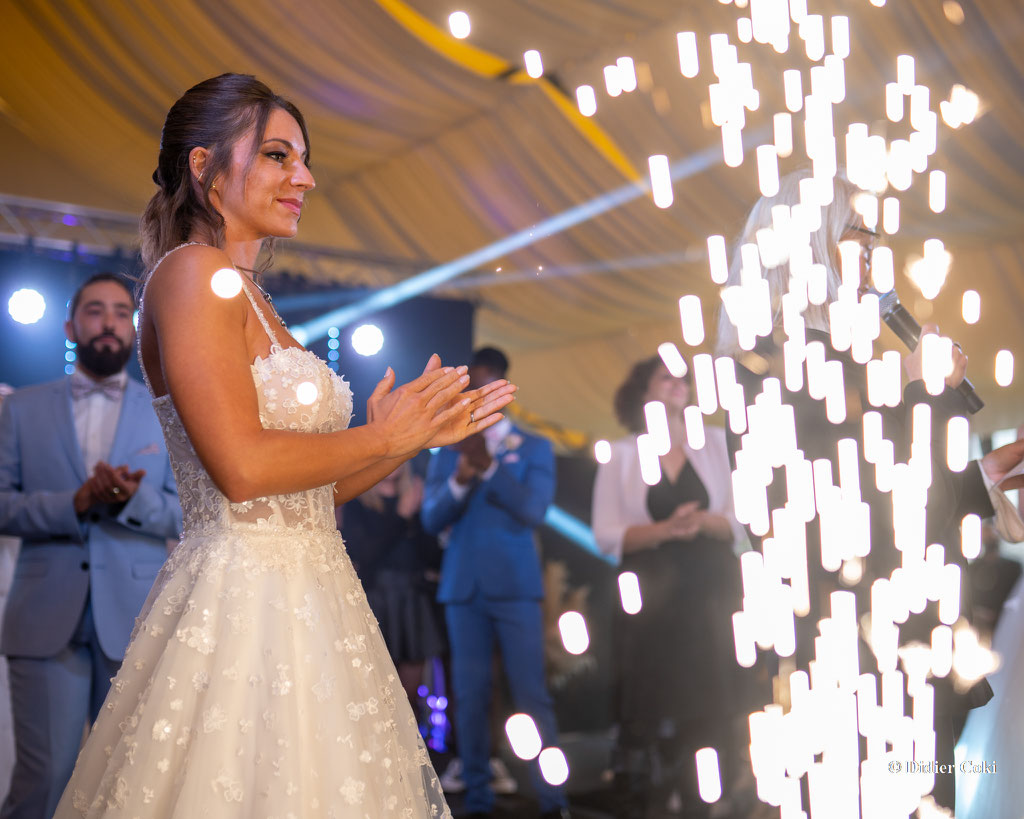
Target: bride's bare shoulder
x,y
186,276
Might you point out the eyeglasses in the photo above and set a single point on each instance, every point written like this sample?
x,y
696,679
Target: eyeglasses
x,y
868,243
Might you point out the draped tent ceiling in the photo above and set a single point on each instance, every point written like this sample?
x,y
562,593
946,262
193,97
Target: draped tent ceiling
x,y
420,160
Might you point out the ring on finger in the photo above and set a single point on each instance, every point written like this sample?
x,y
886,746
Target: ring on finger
x,y
116,490
472,417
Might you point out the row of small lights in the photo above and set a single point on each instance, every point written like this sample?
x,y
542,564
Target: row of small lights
x,y
27,306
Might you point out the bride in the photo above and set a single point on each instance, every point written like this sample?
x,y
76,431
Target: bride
x,y
256,682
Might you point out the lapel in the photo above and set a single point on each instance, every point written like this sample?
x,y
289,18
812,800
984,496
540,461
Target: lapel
x,y
502,448
64,424
131,408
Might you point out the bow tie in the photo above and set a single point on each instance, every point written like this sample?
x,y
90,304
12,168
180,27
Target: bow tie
x,y
111,388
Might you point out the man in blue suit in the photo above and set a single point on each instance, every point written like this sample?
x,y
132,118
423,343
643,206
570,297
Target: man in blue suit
x,y
493,491
93,538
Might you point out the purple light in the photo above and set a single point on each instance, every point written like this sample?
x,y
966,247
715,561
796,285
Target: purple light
x,y
442,703
69,220
423,691
437,719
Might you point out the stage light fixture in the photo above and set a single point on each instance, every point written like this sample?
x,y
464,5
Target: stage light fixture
x,y
26,306
459,25
367,339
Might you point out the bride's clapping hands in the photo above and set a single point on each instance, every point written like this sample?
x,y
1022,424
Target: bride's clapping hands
x,y
477,410
454,415
408,417
383,397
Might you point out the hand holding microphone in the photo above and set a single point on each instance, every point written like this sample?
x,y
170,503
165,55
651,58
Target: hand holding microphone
x,y
914,364
898,319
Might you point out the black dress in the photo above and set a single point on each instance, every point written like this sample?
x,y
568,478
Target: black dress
x,y
394,557
678,661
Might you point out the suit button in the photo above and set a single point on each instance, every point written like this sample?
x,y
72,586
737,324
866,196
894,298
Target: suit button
x,y
85,565
95,517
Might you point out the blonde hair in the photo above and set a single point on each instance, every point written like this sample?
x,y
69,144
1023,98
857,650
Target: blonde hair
x,y
836,219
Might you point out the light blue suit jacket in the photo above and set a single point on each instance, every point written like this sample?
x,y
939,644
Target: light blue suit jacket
x,y
113,552
492,546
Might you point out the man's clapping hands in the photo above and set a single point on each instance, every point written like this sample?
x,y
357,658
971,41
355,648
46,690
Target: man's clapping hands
x,y
108,484
474,459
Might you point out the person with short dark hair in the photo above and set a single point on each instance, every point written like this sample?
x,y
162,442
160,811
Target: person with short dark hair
x,y
492,492
85,482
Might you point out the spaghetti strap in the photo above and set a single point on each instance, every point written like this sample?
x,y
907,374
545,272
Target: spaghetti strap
x,y
142,303
275,345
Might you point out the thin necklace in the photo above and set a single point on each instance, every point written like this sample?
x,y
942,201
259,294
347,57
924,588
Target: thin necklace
x,y
266,295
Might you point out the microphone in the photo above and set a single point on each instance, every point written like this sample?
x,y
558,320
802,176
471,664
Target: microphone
x,y
898,319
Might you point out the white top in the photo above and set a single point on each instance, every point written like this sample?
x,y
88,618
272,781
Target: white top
x,y
620,494
96,416
493,436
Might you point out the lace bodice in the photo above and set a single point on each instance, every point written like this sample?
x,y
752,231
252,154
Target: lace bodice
x,y
296,391
257,683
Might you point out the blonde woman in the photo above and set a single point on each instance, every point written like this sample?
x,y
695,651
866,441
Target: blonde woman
x,y
951,496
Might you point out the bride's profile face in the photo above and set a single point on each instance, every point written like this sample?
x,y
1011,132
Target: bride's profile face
x,y
266,198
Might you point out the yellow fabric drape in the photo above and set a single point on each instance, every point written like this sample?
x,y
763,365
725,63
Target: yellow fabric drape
x,y
417,157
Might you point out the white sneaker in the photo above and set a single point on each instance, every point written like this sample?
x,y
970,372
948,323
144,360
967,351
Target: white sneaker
x,y
451,779
501,779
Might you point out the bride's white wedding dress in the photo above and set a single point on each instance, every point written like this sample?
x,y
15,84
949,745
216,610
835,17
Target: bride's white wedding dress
x,y
256,683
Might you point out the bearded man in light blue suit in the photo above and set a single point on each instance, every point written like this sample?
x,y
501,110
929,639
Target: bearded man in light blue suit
x,y
93,538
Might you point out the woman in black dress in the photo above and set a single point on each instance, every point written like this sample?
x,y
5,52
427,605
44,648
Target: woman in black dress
x,y
676,689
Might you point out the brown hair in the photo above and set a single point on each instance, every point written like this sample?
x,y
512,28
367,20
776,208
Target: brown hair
x,y
629,397
214,115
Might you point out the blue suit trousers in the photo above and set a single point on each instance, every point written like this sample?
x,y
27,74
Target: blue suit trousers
x,y
53,699
472,628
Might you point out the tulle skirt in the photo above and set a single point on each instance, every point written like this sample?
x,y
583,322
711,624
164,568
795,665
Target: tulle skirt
x,y
256,684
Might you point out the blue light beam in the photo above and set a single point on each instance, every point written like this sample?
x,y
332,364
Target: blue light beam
x,y
429,279
574,529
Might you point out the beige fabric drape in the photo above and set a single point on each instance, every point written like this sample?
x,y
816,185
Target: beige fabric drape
x,y
417,158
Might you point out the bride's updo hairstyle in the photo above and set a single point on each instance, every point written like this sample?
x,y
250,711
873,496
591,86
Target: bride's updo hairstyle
x,y
214,115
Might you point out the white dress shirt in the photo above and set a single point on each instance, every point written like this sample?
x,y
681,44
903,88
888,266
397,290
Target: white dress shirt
x,y
493,438
96,416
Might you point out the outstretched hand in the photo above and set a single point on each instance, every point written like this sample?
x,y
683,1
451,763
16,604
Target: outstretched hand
x,y
1000,462
914,364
